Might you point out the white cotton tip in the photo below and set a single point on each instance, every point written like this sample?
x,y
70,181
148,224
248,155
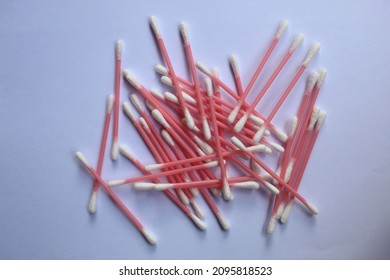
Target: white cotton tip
x,y
313,118
321,77
236,142
271,225
311,81
206,129
280,135
258,135
255,167
115,183
279,211
154,166
259,148
216,192
154,25
289,169
200,152
171,97
149,237
278,171
256,119
286,213
144,125
92,205
163,186
198,222
161,70
126,152
136,102
189,119
202,68
247,185
128,111
222,221
167,137
234,64
197,209
320,120
115,150
281,28
240,124
156,93
209,86
293,126
143,186
311,53
227,195
271,187
160,118
233,115
118,49
166,81
110,103
312,209
267,132
131,79
203,145
266,176
149,105
275,146
296,43
184,32
211,164
189,99
182,196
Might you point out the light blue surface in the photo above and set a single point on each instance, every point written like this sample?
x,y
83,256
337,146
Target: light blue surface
x,y
56,69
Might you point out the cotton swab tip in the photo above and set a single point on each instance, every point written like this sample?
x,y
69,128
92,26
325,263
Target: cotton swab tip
x,y
311,81
286,213
312,209
154,166
154,25
209,86
320,120
279,211
289,170
203,145
167,137
160,118
234,64
313,118
92,205
255,167
115,150
166,80
256,119
136,102
271,225
296,42
144,125
275,146
110,103
227,195
311,53
258,135
240,124
281,28
118,49
184,32
131,79
115,183
202,68
183,197
161,69
82,158
321,77
128,111
281,135
233,115
222,221
157,94
126,152
144,186
149,237
206,129
293,126
189,120
198,222
271,187
247,185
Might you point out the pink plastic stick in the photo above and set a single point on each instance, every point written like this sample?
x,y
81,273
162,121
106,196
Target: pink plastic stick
x,y
115,130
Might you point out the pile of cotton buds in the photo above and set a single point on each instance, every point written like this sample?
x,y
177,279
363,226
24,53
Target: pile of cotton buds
x,y
194,135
